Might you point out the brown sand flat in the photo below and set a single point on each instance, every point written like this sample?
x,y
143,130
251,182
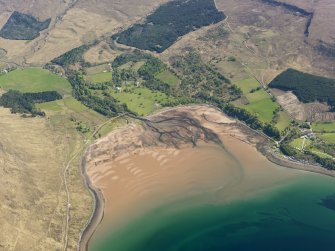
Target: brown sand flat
x,y
154,163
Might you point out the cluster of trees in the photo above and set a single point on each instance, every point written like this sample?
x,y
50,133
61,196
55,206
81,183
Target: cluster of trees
x,y
107,105
307,87
151,67
23,27
201,81
324,161
73,56
168,22
134,56
25,102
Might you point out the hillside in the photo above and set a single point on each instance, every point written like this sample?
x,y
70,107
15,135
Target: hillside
x,y
170,21
321,29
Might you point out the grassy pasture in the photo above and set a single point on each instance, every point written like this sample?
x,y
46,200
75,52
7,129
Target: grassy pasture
x,y
168,77
247,85
297,143
283,121
257,96
260,103
101,77
329,137
53,106
263,109
321,154
140,100
34,80
323,127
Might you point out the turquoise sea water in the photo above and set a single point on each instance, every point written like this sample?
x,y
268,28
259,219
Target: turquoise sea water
x,y
297,216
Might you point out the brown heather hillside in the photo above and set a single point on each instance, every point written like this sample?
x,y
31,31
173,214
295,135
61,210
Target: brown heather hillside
x,y
322,28
73,23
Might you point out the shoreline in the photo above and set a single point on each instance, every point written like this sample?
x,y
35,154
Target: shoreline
x,y
98,207
262,146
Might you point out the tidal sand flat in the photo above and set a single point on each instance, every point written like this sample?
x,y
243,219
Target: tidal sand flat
x,y
191,179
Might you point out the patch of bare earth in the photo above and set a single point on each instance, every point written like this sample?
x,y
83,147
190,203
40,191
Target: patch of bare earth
x,y
313,111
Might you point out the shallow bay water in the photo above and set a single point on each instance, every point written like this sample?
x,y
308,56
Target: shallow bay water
x,y
251,204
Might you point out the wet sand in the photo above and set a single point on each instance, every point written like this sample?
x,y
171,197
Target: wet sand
x,y
140,168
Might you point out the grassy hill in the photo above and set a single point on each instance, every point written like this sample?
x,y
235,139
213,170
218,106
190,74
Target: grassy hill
x,y
34,80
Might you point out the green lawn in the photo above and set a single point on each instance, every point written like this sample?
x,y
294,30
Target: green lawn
x,y
329,137
75,105
97,69
321,154
168,77
54,106
297,143
260,103
324,127
34,80
140,100
283,121
101,77
59,105
257,96
263,108
247,85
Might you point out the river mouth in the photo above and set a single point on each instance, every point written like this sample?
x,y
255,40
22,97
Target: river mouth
x,y
211,196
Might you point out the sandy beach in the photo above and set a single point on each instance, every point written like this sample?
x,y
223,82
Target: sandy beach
x,y
175,154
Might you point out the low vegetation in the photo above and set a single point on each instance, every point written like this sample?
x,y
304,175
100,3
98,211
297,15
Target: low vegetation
x,y
307,87
247,85
309,148
23,27
101,77
169,22
323,127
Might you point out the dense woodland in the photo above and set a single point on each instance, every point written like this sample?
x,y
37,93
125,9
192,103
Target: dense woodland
x,y
25,102
23,27
169,22
73,56
307,87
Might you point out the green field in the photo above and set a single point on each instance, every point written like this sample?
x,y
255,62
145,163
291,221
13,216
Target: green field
x,y
247,85
257,96
260,103
283,121
329,137
263,109
323,127
321,154
297,143
168,77
101,77
140,100
54,106
59,105
34,80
